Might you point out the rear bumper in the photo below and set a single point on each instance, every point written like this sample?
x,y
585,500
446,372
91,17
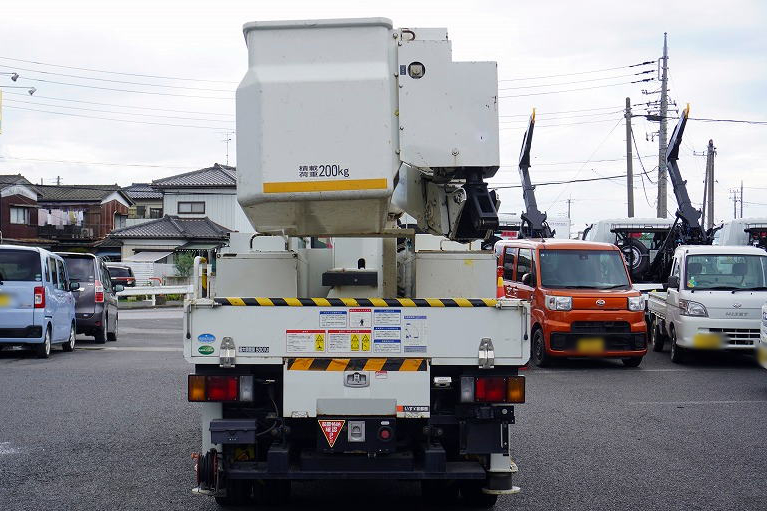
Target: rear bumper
x,y
28,334
86,321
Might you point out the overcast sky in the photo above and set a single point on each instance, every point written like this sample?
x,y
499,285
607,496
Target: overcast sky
x,y
717,63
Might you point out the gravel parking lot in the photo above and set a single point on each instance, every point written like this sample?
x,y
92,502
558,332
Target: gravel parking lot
x,y
109,427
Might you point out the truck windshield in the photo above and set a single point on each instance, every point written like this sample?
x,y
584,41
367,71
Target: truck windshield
x,y
725,271
19,265
588,269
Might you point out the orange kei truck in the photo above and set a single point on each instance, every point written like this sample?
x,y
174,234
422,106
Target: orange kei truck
x,y
582,300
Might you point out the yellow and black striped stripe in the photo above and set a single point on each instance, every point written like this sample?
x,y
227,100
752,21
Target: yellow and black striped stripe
x,y
356,302
356,364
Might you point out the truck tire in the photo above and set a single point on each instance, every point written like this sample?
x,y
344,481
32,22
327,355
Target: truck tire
x,y
473,497
100,335
538,350
678,354
637,256
657,339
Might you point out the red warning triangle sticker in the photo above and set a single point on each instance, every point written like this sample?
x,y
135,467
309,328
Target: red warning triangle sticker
x,y
331,430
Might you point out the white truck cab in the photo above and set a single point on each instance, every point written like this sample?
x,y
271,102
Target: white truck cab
x,y
743,231
713,300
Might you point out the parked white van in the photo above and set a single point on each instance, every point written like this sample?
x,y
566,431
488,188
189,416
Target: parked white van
x,y
713,302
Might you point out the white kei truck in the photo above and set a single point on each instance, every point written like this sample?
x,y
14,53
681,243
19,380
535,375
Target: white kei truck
x,y
713,300
328,345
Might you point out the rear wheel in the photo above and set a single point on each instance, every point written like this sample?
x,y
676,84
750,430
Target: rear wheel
x,y
678,354
70,344
473,496
112,336
632,361
540,358
43,350
100,334
657,339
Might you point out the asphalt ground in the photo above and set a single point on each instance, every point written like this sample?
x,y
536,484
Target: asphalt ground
x,y
109,428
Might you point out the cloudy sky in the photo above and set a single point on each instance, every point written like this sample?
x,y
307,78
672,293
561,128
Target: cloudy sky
x,y
182,60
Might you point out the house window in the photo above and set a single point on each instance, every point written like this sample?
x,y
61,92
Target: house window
x,y
191,207
140,211
157,212
20,216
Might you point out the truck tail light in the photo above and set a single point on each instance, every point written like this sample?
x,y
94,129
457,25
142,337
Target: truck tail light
x,y
98,287
493,389
490,390
39,297
220,388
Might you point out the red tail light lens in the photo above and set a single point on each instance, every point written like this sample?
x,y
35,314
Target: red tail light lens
x,y
39,297
99,289
221,388
490,390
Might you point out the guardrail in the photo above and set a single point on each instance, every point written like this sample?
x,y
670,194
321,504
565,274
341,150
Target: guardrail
x,y
153,291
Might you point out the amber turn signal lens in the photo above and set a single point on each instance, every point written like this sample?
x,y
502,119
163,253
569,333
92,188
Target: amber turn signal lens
x,y
515,389
196,387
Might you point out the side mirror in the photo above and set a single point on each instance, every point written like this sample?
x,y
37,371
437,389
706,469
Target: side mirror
x,y
118,288
527,279
74,286
673,282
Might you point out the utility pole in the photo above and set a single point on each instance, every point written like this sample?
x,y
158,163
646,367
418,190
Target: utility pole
x,y
568,207
629,161
662,134
709,193
741,199
58,180
227,139
734,197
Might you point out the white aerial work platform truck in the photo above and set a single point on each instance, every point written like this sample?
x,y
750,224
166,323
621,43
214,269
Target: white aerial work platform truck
x,y
330,346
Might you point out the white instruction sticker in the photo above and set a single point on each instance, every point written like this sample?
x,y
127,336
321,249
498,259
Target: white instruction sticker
x,y
386,339
360,318
414,339
305,341
387,317
333,319
348,340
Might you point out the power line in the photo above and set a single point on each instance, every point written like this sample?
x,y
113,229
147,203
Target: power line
x,y
571,181
579,72
554,125
121,106
762,123
111,81
145,165
118,112
126,90
575,81
578,89
561,112
535,164
113,119
115,72
559,117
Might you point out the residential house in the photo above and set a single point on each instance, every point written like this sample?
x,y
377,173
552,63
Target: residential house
x,y
210,192
147,203
18,208
152,247
80,215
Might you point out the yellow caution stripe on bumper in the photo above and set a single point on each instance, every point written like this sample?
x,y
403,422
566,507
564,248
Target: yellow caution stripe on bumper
x,y
356,302
356,364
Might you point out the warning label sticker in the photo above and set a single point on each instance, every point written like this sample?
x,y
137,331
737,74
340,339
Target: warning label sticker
x,y
333,319
387,317
348,340
360,318
386,339
331,430
303,341
415,334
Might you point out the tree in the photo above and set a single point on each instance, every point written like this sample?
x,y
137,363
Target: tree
x,y
184,264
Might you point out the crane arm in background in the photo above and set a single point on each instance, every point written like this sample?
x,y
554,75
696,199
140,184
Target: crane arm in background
x,y
533,220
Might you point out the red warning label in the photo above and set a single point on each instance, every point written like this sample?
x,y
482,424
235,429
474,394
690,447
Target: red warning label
x,y
331,430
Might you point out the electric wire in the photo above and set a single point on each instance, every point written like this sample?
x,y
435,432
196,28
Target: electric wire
x,y
113,119
575,90
155,93
575,81
579,72
111,164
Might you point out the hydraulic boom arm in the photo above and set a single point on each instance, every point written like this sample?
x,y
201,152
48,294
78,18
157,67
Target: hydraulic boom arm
x,y
533,220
